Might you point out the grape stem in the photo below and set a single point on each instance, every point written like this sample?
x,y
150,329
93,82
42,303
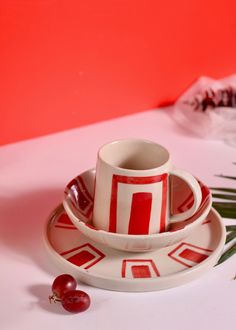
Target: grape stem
x,y
54,298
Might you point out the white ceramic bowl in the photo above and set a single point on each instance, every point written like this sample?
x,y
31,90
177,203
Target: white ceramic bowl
x,y
78,204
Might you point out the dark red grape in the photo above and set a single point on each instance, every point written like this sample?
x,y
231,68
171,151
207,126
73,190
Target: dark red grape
x,y
63,284
75,301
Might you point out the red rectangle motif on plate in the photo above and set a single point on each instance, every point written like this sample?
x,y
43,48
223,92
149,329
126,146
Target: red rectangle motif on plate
x,y
81,258
141,271
193,255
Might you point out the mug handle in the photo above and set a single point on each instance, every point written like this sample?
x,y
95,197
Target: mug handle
x,y
197,195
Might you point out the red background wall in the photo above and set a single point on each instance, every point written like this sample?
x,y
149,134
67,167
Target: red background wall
x,y
70,63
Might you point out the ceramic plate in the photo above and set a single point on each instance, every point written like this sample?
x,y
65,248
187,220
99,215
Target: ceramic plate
x,y
78,204
104,267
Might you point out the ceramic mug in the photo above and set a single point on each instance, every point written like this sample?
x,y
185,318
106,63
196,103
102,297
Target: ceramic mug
x,y
132,188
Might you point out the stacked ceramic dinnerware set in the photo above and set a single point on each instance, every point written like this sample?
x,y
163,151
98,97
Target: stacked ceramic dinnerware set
x,y
136,223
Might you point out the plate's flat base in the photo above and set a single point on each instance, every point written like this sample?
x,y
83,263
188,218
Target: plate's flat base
x,y
101,266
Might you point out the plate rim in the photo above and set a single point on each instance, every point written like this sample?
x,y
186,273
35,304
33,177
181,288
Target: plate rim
x,y
205,264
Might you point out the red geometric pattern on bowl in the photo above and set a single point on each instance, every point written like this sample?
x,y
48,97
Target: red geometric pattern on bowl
x,y
64,222
188,254
81,200
139,268
80,197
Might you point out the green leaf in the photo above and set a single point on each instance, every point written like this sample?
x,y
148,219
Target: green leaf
x,y
230,228
230,237
227,210
225,196
229,253
225,213
225,205
230,190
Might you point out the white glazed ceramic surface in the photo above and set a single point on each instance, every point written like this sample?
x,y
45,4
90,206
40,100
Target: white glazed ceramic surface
x,y
103,267
78,204
132,188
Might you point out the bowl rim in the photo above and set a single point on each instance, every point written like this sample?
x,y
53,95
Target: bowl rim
x,y
79,223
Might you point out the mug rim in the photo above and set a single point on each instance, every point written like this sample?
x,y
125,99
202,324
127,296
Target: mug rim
x,y
128,140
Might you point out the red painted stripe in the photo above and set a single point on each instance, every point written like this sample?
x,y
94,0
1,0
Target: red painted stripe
x,y
155,268
128,180
140,213
80,196
200,210
176,258
205,192
70,184
141,271
77,194
69,191
204,202
188,244
206,221
187,202
180,261
88,214
123,269
85,189
193,255
139,179
94,262
64,219
65,227
81,258
198,247
113,205
163,204
82,246
132,261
